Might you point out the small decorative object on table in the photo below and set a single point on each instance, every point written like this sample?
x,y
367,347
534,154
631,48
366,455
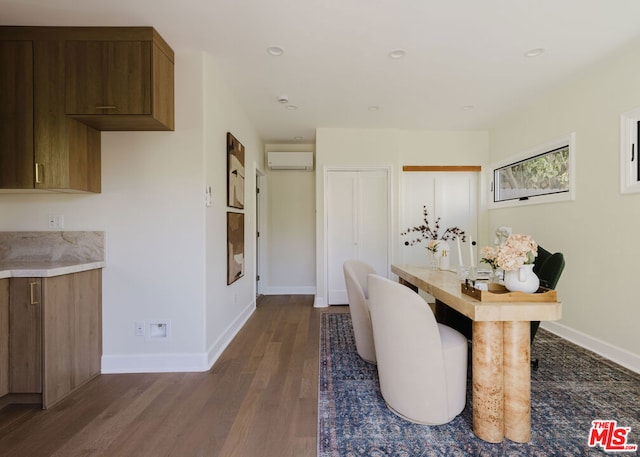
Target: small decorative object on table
x,y
432,247
516,258
498,293
437,245
488,256
502,233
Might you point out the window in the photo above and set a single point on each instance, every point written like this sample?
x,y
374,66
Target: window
x,y
629,145
543,174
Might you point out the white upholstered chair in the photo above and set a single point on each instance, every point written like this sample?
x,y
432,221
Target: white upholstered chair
x,y
355,278
422,365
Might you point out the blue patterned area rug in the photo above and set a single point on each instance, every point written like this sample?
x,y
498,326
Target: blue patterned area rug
x,y
572,388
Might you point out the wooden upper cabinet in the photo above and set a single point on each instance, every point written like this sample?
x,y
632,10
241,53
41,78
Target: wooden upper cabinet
x,y
108,77
120,85
17,165
59,86
67,152
41,149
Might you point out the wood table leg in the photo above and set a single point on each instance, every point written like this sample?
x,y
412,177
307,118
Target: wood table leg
x,y
408,284
488,393
517,381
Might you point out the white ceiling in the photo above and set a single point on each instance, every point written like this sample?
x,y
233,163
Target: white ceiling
x,y
336,65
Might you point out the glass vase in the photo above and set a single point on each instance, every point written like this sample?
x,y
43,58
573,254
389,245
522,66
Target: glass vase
x,y
434,260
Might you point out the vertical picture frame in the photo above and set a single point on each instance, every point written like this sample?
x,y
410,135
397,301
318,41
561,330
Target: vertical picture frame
x,y
235,172
235,246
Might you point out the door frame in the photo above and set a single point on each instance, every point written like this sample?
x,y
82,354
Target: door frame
x,y
261,228
388,170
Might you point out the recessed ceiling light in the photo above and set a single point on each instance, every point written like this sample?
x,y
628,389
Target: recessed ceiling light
x,y
534,52
292,107
397,54
374,108
468,107
275,50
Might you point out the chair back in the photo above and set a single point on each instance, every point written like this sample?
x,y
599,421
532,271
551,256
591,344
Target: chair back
x,y
355,278
411,365
548,267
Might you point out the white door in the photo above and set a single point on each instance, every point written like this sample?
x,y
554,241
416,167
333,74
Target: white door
x,y
452,196
357,225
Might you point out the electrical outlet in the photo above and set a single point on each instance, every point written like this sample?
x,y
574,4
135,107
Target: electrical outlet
x,y
56,221
139,328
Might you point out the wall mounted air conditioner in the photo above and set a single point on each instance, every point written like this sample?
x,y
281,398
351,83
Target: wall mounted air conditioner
x,y
290,160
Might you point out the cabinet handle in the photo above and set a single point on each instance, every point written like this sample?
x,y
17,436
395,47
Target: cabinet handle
x,y
106,106
32,293
38,177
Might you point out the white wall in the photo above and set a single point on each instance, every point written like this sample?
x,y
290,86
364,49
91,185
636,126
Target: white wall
x,y
161,244
598,232
290,232
387,148
227,307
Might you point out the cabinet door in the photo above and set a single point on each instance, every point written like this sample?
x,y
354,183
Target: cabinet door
x,y
108,77
67,152
72,320
16,115
25,338
4,337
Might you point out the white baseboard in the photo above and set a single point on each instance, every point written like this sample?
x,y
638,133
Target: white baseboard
x,y
291,290
154,363
319,302
618,355
223,341
176,362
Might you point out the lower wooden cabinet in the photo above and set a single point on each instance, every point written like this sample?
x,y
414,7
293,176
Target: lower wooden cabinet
x,y
25,336
72,333
4,336
55,334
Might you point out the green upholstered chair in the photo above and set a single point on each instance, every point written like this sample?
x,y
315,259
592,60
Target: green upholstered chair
x,y
548,266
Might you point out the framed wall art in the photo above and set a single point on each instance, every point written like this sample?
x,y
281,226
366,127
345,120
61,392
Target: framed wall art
x,y
235,172
235,247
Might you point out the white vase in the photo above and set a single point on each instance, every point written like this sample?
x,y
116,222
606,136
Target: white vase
x,y
522,280
443,252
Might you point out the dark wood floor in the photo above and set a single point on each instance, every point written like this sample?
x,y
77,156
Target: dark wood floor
x,y
259,399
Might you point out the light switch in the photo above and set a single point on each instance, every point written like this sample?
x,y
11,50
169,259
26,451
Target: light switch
x,y
208,197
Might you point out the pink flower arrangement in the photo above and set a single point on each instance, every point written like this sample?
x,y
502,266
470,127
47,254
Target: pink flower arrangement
x,y
517,250
488,254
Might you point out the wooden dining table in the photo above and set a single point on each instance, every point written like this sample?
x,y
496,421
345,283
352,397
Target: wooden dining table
x,y
501,368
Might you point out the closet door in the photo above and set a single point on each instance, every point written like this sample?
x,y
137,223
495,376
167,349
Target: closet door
x,y
453,196
357,225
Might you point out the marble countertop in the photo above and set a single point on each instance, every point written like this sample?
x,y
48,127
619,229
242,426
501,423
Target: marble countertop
x,y
46,254
31,269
